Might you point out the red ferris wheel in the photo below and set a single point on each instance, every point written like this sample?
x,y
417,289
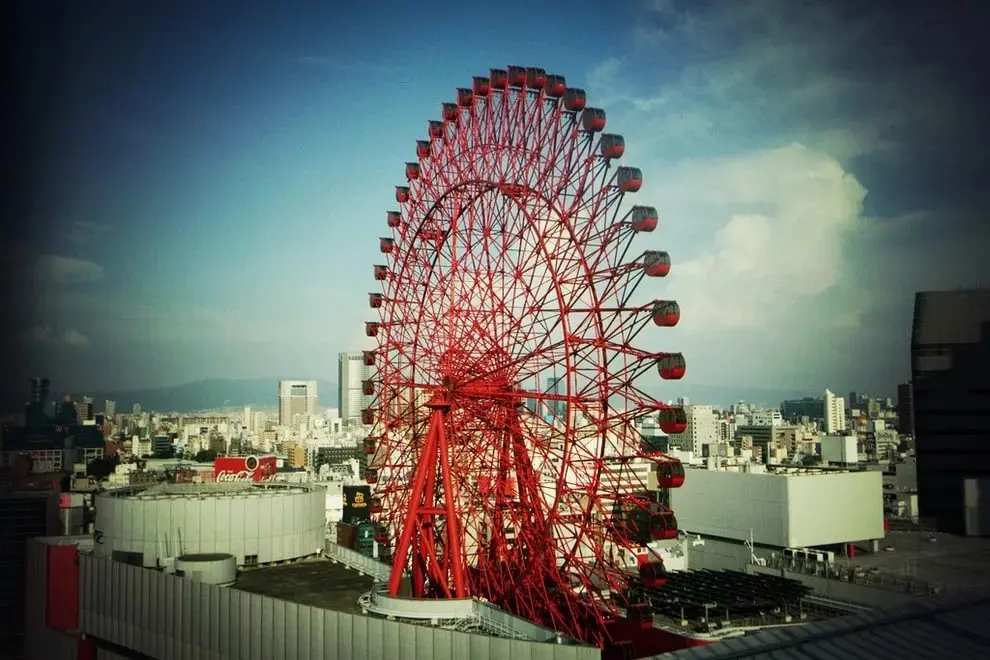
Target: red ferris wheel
x,y
503,455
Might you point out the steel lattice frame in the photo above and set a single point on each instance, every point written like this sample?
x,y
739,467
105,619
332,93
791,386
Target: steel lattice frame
x,y
504,459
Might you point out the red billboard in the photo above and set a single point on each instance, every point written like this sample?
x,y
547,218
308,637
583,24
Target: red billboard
x,y
244,468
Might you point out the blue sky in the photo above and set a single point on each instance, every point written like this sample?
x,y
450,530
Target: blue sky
x,y
208,184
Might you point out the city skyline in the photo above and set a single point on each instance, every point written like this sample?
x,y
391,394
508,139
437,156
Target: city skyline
x,y
807,176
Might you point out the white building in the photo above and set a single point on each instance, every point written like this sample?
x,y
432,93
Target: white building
x,y
296,400
842,449
784,508
702,429
766,418
835,413
351,373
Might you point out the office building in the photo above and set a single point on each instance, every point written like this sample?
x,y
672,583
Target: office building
x,y
835,413
351,374
296,401
950,374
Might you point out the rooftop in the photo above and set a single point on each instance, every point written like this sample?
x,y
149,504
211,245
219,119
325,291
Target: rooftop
x,y
314,582
209,489
930,628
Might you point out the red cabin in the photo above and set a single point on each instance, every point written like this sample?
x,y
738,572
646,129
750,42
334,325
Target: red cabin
x,y
672,366
465,97
386,245
368,356
368,416
381,273
656,264
370,446
371,328
612,146
394,218
575,99
435,129
402,194
629,179
555,87
412,171
480,86
376,508
375,300
663,525
673,420
644,218
653,574
593,120
451,112
536,78
666,313
368,387
371,475
498,78
640,613
517,76
423,148
670,474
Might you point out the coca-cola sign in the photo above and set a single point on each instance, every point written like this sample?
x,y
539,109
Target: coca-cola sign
x,y
229,469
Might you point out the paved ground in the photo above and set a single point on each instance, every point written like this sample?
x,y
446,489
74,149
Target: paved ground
x,y
316,582
953,561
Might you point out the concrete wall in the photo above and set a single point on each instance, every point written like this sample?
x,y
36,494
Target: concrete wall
x,y
168,617
782,510
272,524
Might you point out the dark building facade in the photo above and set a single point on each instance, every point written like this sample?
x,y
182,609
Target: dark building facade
x,y
794,409
950,368
905,408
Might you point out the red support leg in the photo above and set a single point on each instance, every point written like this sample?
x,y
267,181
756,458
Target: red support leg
x,y
447,574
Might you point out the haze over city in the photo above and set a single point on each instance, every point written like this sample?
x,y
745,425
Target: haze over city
x,y
215,181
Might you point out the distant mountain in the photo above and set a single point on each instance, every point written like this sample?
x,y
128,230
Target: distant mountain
x,y
219,392
208,395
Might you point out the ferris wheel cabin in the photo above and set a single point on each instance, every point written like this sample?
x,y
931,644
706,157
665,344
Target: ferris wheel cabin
x,y
368,357
381,272
451,113
435,129
536,78
644,218
666,313
370,446
575,99
412,171
612,146
670,474
517,76
673,420
394,218
656,263
555,86
593,120
423,148
375,300
498,79
629,179
480,86
672,366
465,97
367,416
368,387
371,328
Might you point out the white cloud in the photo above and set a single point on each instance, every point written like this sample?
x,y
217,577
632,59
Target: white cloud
x,y
73,337
772,227
83,231
45,334
52,269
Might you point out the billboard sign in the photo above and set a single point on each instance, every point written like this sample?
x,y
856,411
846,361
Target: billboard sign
x,y
232,469
357,504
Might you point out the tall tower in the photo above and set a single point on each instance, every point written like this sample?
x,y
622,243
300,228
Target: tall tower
x,y
296,400
351,372
950,378
835,413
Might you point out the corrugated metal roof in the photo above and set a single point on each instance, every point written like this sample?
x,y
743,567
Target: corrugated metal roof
x,y
932,628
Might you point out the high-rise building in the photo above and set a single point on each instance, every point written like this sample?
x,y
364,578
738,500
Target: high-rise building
x,y
296,400
351,374
556,409
950,378
702,429
835,413
84,410
109,408
905,408
136,409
